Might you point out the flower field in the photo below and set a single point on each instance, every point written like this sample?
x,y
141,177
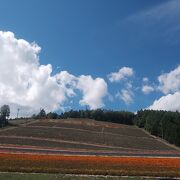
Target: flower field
x,y
83,131
82,146
138,166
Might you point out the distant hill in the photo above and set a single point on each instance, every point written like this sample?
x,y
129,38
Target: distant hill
x,y
85,135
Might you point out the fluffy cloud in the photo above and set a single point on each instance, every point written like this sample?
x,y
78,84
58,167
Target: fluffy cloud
x,y
67,81
146,89
170,82
93,91
27,85
170,102
126,94
24,83
145,80
123,73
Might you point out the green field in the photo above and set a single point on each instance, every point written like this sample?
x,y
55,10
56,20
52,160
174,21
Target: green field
x,y
25,176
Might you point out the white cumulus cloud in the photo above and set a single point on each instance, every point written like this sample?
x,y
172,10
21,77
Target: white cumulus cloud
x,y
93,91
145,80
170,82
28,85
126,95
170,102
146,89
123,73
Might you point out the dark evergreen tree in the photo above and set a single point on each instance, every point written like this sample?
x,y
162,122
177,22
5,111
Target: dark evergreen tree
x,y
164,124
4,115
42,114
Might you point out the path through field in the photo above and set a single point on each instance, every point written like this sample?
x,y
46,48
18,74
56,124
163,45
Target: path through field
x,y
82,136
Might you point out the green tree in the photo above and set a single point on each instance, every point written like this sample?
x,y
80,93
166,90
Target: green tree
x,y
4,114
52,115
42,114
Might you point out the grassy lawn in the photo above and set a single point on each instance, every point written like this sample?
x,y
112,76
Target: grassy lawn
x,y
25,176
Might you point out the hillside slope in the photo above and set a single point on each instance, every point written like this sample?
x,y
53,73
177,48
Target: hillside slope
x,y
86,135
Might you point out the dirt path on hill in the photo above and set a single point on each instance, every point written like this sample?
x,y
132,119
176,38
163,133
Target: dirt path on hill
x,y
70,142
35,150
18,125
91,131
162,140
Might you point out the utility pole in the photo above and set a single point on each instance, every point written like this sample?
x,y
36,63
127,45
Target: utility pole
x,y
18,112
103,137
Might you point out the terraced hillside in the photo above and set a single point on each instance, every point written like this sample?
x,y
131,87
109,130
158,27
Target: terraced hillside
x,y
85,135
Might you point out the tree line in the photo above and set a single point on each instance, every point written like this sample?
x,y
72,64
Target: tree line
x,y
165,124
121,117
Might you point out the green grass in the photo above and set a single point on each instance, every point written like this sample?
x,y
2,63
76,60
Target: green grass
x,y
25,176
22,176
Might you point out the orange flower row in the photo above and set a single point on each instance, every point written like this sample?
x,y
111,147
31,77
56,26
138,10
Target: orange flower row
x,y
90,164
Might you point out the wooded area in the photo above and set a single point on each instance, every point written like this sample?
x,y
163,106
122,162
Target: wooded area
x,y
121,117
165,124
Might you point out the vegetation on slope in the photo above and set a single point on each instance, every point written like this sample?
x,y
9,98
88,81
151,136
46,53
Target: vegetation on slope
x,y
121,117
95,165
101,134
45,176
164,124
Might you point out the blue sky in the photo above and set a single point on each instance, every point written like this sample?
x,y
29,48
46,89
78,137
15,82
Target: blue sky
x,y
97,38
